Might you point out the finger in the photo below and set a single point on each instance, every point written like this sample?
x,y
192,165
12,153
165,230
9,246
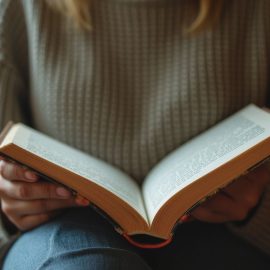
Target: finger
x,y
244,192
29,222
260,175
186,218
13,208
203,214
223,205
13,172
32,191
80,200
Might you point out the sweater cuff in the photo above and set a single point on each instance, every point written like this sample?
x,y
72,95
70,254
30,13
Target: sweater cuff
x,y
257,229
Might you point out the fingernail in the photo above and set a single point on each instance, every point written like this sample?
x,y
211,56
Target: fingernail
x,y
185,218
63,192
30,175
82,201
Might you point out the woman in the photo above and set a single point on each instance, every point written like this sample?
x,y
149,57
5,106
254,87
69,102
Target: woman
x,y
129,81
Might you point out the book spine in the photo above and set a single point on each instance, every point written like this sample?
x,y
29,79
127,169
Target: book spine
x,y
147,245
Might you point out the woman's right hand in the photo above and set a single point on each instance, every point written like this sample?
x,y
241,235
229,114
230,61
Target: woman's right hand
x,y
29,202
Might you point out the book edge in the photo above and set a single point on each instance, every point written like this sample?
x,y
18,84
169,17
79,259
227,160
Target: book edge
x,y
5,131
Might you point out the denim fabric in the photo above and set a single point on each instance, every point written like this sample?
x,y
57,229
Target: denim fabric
x,y
82,239
79,239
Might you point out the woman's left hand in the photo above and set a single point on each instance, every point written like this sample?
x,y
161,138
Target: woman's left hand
x,y
235,202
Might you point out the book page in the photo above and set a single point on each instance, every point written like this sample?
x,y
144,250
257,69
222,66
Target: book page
x,y
98,171
203,154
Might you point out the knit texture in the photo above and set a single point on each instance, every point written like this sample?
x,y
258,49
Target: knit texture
x,y
136,86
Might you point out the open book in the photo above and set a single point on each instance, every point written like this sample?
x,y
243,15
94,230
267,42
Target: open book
x,y
185,177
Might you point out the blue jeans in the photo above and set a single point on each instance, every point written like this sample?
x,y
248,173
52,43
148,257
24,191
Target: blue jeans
x,y
82,239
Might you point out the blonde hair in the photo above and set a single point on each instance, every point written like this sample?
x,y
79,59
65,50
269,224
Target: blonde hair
x,y
209,12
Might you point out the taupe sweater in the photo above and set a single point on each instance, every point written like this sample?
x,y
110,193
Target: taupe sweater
x,y
136,86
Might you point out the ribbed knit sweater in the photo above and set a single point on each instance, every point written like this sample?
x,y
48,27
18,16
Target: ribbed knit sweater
x,y
137,85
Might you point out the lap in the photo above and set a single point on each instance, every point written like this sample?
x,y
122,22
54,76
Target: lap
x,y
81,239
78,239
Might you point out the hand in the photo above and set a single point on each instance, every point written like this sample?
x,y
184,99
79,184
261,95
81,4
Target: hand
x,y
235,202
28,202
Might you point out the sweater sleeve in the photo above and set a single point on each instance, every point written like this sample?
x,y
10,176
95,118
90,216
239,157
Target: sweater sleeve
x,y
13,63
13,76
